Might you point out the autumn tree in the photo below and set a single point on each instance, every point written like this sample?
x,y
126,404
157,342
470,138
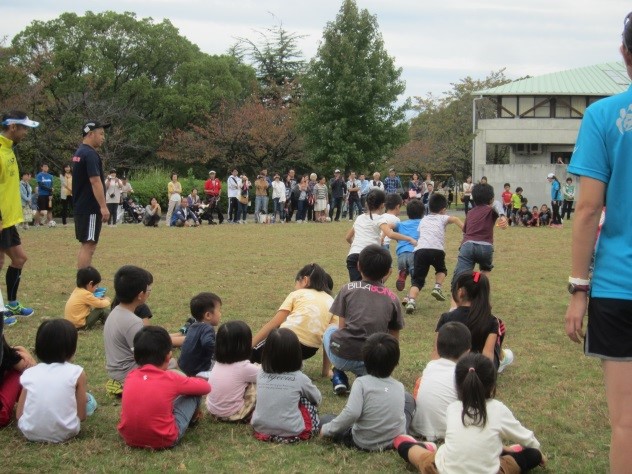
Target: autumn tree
x,y
349,116
441,134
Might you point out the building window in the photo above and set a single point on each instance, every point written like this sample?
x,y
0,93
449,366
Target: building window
x,y
563,156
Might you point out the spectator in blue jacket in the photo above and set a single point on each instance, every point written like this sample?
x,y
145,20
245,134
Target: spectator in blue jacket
x,y
184,216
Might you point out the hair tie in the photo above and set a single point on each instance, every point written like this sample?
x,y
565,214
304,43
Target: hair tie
x,y
471,369
476,276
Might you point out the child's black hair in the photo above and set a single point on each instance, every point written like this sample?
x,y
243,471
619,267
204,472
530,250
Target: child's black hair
x,y
202,303
453,340
374,262
415,209
392,201
233,342
130,281
437,202
380,354
476,287
475,378
374,200
519,190
506,184
87,275
282,352
56,341
151,345
318,278
483,193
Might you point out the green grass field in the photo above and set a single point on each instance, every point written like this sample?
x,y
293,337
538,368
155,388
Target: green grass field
x,y
551,388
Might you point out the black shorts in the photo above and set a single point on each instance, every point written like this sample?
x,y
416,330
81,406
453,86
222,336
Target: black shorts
x,y
9,237
424,259
88,227
43,203
609,332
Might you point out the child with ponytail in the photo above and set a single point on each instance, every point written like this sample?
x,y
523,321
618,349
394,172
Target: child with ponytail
x,y
367,230
471,294
476,427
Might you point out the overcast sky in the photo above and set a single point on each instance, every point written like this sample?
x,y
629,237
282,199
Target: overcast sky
x,y
435,42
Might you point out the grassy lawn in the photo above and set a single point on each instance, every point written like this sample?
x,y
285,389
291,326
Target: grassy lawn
x,y
551,388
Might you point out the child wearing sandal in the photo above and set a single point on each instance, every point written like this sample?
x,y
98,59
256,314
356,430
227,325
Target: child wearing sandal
x,y
287,400
476,427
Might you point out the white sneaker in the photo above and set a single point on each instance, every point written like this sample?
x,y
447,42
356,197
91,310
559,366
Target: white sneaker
x,y
507,359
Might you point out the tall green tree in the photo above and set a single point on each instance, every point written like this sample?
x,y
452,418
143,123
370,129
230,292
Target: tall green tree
x,y
349,116
441,134
142,76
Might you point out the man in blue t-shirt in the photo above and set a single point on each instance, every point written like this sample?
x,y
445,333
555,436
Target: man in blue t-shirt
x,y
44,195
88,191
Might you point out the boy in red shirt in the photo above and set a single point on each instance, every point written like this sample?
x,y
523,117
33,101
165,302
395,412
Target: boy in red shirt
x,y
506,195
158,420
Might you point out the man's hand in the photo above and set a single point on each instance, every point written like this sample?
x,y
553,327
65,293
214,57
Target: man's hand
x,y
105,214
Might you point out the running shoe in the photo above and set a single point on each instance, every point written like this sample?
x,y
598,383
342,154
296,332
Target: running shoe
x,y
400,284
14,308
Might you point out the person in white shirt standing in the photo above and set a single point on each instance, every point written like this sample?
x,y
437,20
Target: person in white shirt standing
x,y
234,186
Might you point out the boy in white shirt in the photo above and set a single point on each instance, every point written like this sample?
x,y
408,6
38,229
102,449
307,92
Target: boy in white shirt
x,y
435,390
429,251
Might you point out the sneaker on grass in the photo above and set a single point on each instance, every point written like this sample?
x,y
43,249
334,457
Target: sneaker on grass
x,y
340,382
9,320
507,359
14,308
400,284
410,307
438,294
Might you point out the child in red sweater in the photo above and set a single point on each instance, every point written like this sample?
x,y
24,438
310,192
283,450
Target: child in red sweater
x,y
158,405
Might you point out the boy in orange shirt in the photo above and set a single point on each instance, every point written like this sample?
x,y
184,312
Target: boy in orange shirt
x,y
86,304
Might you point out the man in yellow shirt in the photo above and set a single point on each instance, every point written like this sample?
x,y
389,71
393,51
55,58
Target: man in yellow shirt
x,y
15,126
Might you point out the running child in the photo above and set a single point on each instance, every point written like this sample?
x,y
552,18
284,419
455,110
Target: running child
x,y
429,251
233,377
287,400
54,401
367,230
378,408
476,424
405,250
393,208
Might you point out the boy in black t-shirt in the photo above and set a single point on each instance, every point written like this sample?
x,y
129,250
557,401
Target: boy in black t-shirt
x,y
364,307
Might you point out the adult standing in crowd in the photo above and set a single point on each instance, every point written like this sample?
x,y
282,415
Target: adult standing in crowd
x,y
290,201
261,196
88,195
338,189
602,161
45,194
233,192
311,199
278,199
113,186
376,183
416,187
15,126
568,193
126,189
65,193
174,192
392,183
353,188
244,199
365,187
467,193
556,199
213,190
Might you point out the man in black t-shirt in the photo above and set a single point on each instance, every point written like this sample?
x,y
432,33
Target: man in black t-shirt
x,y
88,191
338,189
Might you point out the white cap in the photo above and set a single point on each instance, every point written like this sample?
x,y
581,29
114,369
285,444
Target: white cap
x,y
211,172
550,176
27,122
337,171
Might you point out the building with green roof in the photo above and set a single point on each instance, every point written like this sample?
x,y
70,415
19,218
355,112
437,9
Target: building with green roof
x,y
538,118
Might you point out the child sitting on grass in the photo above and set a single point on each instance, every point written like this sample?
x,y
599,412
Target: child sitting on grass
x,y
435,390
545,216
378,408
133,287
83,308
364,308
54,401
198,349
305,312
405,250
233,377
535,217
158,404
429,251
476,424
287,400
524,216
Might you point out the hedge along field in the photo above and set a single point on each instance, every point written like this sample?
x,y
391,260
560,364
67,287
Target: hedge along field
x,y
551,387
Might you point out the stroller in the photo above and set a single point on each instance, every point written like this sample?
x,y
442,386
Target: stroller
x,y
133,213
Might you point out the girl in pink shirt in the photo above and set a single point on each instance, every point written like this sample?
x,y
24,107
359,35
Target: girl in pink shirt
x,y
233,376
